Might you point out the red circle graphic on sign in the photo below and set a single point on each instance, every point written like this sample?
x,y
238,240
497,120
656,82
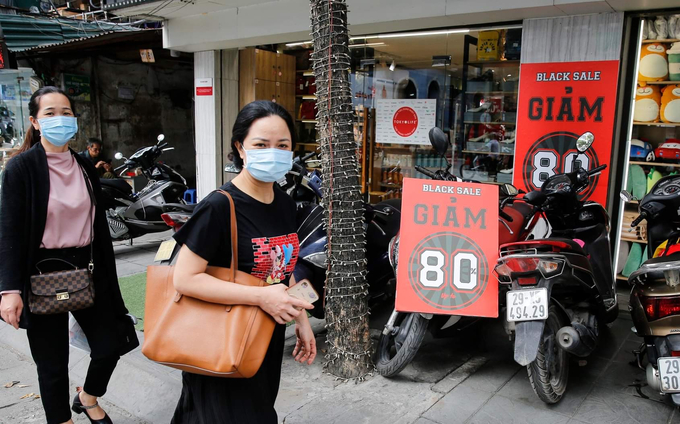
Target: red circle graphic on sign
x,y
405,121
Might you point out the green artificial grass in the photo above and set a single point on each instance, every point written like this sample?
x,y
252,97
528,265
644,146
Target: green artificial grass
x,y
133,289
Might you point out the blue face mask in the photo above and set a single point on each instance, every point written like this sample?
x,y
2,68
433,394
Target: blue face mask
x,y
58,130
268,165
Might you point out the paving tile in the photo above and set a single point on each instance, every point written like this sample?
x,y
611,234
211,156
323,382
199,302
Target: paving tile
x,y
493,375
604,406
422,420
622,377
611,338
625,354
458,405
579,385
125,269
501,410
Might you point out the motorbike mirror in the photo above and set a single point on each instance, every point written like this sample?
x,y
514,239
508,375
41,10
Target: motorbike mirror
x,y
585,141
626,196
232,169
118,156
161,137
511,189
439,141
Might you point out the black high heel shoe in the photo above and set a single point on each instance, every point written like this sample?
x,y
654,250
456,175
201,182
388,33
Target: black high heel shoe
x,y
79,408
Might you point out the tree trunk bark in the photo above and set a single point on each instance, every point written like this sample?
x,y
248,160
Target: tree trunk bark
x,y
346,288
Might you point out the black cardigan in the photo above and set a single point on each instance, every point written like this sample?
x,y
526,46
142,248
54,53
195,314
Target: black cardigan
x,y
23,212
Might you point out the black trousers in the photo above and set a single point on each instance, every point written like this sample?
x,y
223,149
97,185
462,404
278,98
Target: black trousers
x,y
49,341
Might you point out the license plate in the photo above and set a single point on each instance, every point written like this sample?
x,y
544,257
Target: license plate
x,y
669,371
527,305
165,250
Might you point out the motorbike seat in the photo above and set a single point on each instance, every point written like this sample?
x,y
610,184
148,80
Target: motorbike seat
x,y
179,207
647,273
118,184
560,243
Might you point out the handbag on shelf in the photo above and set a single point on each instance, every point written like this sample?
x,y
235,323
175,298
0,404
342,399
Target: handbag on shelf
x,y
202,337
68,290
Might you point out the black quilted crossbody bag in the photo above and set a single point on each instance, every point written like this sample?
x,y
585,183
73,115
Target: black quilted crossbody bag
x,y
69,290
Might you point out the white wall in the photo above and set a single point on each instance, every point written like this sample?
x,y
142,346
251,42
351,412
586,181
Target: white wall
x,y
288,20
208,125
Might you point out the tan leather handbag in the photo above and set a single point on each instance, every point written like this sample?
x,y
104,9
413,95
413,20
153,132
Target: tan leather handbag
x,y
202,337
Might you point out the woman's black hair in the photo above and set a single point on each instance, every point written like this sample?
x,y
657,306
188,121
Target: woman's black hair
x,y
252,112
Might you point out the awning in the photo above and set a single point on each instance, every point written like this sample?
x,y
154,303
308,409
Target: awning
x,y
150,38
25,32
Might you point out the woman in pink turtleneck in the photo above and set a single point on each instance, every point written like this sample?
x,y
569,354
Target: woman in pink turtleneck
x,y
48,216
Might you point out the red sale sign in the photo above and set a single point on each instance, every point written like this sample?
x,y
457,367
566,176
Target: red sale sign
x,y
557,103
447,249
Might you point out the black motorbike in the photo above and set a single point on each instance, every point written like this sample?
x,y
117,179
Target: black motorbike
x,y
131,215
382,223
560,288
655,295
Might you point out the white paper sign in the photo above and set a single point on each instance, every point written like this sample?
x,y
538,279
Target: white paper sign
x,y
405,121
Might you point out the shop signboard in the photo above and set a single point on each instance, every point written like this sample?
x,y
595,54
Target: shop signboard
x,y
405,121
77,87
557,103
448,248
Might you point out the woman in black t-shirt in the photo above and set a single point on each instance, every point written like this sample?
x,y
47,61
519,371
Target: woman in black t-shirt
x,y
263,138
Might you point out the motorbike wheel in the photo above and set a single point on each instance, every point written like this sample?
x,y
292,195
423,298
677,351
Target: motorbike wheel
x,y
396,350
549,373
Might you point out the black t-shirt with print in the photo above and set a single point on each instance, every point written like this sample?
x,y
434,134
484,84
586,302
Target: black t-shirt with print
x,y
268,248
267,240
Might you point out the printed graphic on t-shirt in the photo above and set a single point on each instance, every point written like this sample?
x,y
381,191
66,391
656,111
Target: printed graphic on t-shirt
x,y
275,257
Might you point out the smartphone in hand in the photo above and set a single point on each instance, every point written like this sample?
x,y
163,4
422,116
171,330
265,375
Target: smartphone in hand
x,y
304,291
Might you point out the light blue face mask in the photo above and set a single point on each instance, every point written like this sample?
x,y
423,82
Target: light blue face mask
x,y
58,130
268,165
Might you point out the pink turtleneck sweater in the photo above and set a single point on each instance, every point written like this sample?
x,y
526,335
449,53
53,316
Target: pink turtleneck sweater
x,y
69,207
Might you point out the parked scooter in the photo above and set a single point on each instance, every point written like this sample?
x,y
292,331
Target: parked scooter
x,y
562,287
404,332
382,223
655,297
131,215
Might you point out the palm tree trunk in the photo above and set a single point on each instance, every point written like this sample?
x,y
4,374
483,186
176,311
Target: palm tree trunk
x,y
346,289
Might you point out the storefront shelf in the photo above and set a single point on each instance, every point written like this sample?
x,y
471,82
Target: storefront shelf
x,y
656,124
306,96
659,41
494,62
621,277
660,164
307,121
475,152
663,82
490,123
307,144
633,240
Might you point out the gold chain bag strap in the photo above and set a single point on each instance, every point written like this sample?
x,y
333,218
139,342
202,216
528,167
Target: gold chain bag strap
x,y
202,337
69,290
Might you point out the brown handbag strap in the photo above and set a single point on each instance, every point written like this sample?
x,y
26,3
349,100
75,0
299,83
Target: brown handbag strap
x,y
234,236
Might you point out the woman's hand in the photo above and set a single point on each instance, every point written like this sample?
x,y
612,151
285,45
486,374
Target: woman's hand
x,y
305,347
11,306
283,307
